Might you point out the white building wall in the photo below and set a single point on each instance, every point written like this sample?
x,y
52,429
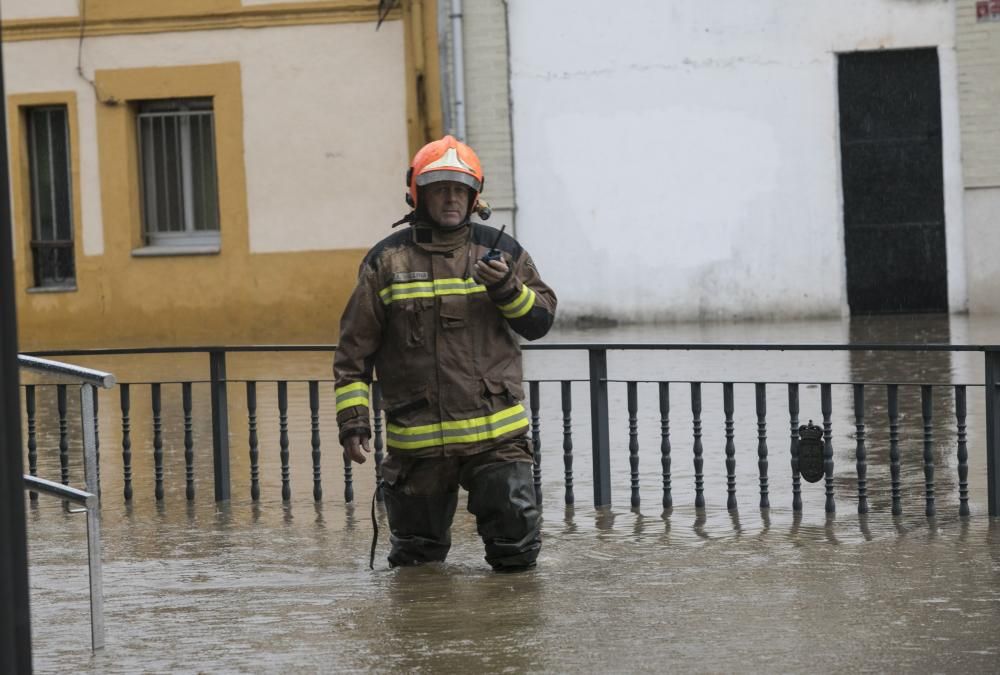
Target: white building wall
x,y
681,160
979,87
38,9
488,102
324,122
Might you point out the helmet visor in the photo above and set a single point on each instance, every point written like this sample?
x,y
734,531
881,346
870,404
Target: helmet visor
x,y
449,175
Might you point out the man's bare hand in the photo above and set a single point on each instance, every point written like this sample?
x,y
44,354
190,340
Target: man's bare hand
x,y
491,272
352,448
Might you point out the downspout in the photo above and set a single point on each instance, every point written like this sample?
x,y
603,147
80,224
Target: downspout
x,y
458,68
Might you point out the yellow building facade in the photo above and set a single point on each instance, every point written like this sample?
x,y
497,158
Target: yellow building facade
x,y
206,171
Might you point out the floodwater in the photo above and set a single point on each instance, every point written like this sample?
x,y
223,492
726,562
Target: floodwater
x,y
273,587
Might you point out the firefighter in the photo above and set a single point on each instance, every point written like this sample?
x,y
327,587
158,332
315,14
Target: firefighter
x,y
437,326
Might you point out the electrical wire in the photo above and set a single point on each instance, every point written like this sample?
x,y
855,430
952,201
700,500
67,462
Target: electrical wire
x,y
384,7
111,100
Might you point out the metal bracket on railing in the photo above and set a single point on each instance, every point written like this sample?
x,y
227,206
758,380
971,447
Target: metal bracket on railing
x,y
89,381
92,508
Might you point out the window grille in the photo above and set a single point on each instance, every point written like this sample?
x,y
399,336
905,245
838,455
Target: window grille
x,y
180,203
51,196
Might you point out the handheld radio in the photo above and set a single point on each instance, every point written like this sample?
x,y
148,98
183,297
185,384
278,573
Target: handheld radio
x,y
493,253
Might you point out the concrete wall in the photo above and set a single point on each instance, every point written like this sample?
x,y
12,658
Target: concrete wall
x,y
488,101
311,136
978,47
325,140
487,97
33,9
685,155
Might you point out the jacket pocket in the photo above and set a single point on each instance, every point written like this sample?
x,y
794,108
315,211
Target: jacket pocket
x,y
409,321
404,406
454,312
507,392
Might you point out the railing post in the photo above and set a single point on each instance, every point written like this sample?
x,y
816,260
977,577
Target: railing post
x,y
87,395
220,424
993,430
599,431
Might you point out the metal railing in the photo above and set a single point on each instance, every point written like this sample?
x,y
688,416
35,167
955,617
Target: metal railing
x,y
600,428
88,381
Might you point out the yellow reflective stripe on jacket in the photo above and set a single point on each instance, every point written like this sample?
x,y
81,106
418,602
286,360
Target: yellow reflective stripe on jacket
x,y
474,430
520,305
428,289
351,395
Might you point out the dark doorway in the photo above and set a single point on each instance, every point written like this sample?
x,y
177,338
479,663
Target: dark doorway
x,y
890,142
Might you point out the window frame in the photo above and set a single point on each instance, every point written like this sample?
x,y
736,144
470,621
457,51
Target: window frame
x,y
119,175
38,240
18,110
183,109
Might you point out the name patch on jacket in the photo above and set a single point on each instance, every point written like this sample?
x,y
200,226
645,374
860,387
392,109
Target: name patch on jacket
x,y
410,276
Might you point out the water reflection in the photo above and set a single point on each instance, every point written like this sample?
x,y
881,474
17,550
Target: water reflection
x,y
902,368
422,627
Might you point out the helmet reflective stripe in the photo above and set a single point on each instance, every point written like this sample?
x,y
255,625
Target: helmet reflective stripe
x,y
448,175
449,160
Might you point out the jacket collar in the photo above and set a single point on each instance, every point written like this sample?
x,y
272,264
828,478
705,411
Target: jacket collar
x,y
439,240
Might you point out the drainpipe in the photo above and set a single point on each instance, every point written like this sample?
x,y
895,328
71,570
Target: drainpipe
x,y
458,68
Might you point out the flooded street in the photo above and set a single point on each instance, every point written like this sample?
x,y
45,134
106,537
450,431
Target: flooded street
x,y
273,587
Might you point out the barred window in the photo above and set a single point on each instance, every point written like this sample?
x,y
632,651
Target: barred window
x,y
180,202
51,196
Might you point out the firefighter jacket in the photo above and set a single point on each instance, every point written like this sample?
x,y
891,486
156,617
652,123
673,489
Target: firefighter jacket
x,y
441,345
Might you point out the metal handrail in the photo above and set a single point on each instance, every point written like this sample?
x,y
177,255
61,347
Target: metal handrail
x,y
598,367
67,492
558,346
89,380
83,375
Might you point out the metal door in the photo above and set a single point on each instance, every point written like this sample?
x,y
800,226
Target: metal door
x,y
890,131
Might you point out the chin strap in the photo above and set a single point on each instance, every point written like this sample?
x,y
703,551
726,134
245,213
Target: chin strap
x,y
410,217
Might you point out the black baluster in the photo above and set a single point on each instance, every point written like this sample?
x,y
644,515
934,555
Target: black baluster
x,y
793,416
668,497
188,442
286,487
862,455
536,440
928,415
379,440
29,402
314,419
727,405
97,439
827,406
892,391
699,462
963,451
760,389
567,411
157,442
633,440
126,405
63,434
252,439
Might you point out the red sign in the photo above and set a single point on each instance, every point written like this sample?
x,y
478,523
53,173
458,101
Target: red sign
x,y
995,10
983,10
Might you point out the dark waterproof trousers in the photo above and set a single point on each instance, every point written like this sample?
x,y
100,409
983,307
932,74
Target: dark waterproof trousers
x,y
421,495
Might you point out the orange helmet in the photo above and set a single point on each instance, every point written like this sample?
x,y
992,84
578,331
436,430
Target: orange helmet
x,y
445,160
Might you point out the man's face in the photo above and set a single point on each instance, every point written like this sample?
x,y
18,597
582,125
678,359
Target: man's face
x,y
447,202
